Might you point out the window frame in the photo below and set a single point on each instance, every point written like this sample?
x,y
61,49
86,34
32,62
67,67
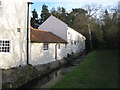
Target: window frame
x,y
10,46
45,46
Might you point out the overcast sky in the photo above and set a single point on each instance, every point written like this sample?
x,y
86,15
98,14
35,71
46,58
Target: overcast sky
x,y
69,4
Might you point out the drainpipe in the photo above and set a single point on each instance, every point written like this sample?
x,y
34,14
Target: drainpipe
x,y
56,51
28,4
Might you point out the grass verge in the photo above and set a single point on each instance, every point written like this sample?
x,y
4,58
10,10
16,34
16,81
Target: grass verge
x,y
99,70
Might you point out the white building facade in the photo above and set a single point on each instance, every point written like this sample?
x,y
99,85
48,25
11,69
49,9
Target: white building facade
x,y
58,41
76,41
55,51
46,47
13,33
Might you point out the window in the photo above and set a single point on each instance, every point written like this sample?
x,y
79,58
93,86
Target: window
x,y
45,46
68,32
58,46
82,37
74,42
18,29
71,42
4,46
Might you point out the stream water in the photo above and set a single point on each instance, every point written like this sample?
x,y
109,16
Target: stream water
x,y
49,79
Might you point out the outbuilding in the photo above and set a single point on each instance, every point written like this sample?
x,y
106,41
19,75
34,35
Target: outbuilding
x,y
76,41
46,47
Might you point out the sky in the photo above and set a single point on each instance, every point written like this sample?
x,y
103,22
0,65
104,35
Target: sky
x,y
69,4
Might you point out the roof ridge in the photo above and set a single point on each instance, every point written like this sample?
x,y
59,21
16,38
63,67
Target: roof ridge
x,y
37,29
44,36
56,36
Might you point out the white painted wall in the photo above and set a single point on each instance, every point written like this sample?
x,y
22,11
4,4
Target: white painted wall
x,y
40,56
61,29
14,15
62,52
55,26
72,36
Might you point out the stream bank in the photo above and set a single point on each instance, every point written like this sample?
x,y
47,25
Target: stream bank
x,y
60,73
28,76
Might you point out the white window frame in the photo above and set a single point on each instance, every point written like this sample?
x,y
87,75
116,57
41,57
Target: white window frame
x,y
10,46
45,46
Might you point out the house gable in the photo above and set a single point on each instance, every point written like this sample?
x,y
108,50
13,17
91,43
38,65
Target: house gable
x,y
55,26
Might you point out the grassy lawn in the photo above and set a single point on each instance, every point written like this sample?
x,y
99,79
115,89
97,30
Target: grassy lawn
x,y
99,70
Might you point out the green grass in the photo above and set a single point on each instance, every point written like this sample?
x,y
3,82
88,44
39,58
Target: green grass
x,y
99,70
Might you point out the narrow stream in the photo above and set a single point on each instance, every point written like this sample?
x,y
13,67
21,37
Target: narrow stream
x,y
49,79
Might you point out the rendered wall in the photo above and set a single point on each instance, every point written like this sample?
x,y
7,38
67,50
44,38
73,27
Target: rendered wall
x,y
14,15
40,56
72,38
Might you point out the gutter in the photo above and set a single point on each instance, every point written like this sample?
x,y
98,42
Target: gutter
x,y
28,4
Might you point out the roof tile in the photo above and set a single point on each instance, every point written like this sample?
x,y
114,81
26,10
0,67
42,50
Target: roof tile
x,y
42,36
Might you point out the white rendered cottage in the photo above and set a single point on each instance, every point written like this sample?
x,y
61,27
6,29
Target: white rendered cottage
x,y
13,33
46,47
76,41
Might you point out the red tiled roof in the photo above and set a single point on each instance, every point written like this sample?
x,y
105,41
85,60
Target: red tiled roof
x,y
42,36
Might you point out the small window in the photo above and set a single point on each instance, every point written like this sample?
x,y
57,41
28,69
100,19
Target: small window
x,y
4,46
68,32
18,29
74,42
58,46
82,37
45,46
71,42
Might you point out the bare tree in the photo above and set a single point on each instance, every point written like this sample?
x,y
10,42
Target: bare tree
x,y
92,12
92,9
